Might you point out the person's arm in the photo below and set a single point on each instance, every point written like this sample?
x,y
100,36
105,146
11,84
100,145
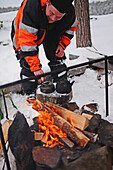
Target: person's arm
x,y
68,35
65,40
27,33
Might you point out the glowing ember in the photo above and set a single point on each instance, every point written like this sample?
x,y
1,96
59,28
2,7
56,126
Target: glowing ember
x,y
46,124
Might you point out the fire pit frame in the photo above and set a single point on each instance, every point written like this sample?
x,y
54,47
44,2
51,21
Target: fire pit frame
x,y
105,58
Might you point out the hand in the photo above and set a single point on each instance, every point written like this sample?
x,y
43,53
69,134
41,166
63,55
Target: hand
x,y
59,51
39,72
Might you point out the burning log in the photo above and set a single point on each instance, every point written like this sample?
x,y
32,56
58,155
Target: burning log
x,y
40,136
69,143
74,134
76,120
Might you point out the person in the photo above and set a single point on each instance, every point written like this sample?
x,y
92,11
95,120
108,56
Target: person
x,y
48,22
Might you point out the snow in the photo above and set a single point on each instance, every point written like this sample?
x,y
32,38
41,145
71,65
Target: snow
x,y
86,89
16,3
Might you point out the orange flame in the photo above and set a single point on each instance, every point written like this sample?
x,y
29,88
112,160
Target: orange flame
x,y
53,108
46,124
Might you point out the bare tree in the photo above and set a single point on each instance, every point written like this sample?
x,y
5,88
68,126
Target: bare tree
x,y
83,36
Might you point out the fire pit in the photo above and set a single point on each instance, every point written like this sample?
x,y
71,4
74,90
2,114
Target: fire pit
x,y
61,139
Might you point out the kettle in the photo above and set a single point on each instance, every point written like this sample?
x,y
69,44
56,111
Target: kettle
x,y
47,87
64,86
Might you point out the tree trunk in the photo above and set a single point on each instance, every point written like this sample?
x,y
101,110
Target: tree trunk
x,y
83,36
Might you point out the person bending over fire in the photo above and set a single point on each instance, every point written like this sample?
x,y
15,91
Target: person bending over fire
x,y
48,22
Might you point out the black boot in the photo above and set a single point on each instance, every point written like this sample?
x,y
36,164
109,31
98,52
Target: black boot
x,y
57,65
64,86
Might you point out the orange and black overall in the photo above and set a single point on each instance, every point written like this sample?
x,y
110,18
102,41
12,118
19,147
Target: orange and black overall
x,y
30,28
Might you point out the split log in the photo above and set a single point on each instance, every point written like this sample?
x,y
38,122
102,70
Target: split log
x,y
92,136
78,120
38,136
5,128
69,143
44,140
74,134
88,116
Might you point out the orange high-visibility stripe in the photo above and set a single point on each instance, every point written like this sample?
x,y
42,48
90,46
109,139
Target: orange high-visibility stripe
x,y
17,22
26,38
43,2
74,28
33,62
39,41
65,40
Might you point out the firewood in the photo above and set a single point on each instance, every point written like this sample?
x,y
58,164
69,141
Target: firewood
x,y
88,116
5,128
69,143
38,135
92,136
43,140
77,120
74,134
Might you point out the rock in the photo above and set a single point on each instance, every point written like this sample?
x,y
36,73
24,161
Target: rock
x,y
73,57
99,159
46,157
70,106
94,123
92,107
21,142
76,72
105,132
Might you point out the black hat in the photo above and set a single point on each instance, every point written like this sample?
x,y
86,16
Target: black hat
x,y
62,6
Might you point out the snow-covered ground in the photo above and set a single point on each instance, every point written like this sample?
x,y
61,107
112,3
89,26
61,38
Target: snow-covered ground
x,y
86,89
16,3
102,39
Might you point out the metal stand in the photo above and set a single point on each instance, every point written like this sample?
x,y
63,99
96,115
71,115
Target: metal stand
x,y
106,86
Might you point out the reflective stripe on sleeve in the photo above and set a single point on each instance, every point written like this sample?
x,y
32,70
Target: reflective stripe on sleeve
x,y
75,23
28,28
29,48
69,32
14,40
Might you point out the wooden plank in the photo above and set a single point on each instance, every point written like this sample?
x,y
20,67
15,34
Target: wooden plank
x,y
5,128
38,136
43,140
101,64
88,116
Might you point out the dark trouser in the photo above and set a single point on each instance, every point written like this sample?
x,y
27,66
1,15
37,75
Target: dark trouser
x,y
31,85
50,45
